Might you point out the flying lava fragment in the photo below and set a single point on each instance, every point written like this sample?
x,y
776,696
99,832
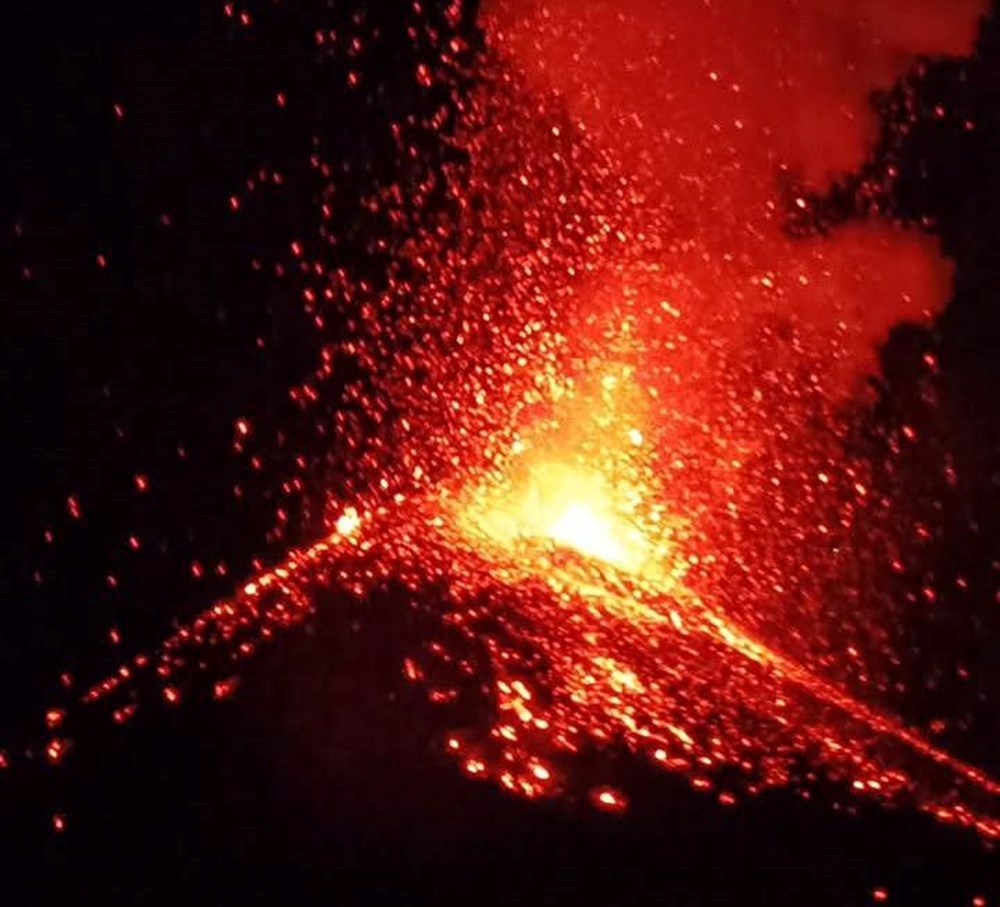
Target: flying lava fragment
x,y
601,395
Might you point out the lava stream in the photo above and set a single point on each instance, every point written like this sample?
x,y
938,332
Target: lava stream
x,y
642,615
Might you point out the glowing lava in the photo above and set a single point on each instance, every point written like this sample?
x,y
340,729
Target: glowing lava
x,y
571,507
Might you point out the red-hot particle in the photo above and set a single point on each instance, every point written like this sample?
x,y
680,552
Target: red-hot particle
x,y
54,718
609,799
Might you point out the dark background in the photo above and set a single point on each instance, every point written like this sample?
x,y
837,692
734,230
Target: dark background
x,y
321,781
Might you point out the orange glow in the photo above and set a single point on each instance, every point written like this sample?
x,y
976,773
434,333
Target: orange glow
x,y
582,480
348,522
572,507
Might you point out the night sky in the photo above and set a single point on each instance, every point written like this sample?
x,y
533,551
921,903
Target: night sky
x,y
146,312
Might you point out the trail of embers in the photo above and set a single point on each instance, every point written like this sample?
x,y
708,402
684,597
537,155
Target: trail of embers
x,y
583,653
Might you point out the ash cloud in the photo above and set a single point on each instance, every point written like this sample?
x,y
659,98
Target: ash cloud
x,y
706,103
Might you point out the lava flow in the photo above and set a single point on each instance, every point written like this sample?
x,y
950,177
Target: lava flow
x,y
574,575
603,400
